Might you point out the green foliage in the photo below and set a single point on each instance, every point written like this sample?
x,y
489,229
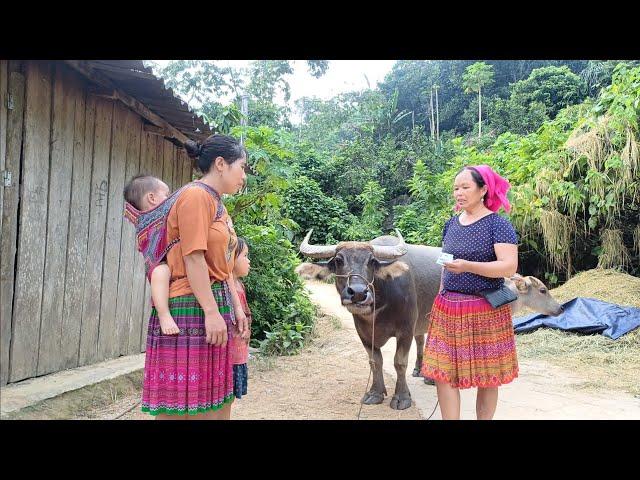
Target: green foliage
x,y
476,77
553,87
285,339
306,204
274,292
373,212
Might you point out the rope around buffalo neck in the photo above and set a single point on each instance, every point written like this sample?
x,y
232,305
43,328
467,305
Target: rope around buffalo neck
x,y
372,362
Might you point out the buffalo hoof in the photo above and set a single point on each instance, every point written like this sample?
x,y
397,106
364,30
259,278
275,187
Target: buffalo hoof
x,y
416,372
429,381
401,401
373,398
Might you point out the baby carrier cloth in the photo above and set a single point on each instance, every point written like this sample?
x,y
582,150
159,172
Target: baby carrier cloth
x,y
151,226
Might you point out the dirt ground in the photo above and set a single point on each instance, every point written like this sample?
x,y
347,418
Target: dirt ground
x,y
324,382
329,377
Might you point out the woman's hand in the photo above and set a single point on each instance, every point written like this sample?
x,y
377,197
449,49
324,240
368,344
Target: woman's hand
x,y
215,329
457,266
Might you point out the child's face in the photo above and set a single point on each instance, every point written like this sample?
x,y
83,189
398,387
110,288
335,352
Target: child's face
x,y
241,268
157,196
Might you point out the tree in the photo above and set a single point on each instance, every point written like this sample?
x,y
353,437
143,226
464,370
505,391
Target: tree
x,y
554,87
476,77
203,83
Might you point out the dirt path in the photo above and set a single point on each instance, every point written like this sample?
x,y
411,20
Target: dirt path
x,y
542,391
324,382
327,380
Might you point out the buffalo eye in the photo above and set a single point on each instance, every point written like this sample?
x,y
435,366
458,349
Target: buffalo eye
x,y
339,261
543,290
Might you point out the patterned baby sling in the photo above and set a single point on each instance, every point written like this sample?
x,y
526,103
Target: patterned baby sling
x,y
151,226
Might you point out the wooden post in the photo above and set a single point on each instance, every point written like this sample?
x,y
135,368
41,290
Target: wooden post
x,y
4,100
479,111
33,221
432,123
97,226
107,333
9,232
243,120
57,228
75,284
128,246
437,118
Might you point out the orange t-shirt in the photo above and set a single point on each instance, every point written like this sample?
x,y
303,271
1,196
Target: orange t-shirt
x,y
191,219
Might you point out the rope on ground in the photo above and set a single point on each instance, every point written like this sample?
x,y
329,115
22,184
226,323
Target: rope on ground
x,y
126,411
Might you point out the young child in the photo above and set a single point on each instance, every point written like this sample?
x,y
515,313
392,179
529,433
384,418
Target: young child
x,y
146,192
240,344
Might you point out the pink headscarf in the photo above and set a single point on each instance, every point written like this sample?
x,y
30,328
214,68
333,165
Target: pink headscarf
x,y
497,188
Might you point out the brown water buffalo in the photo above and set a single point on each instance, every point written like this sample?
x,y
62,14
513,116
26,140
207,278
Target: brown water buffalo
x,y
403,280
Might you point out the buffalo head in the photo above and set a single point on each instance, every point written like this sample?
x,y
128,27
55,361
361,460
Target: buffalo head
x,y
356,265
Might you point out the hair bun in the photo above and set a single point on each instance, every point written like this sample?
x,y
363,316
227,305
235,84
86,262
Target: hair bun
x,y
194,149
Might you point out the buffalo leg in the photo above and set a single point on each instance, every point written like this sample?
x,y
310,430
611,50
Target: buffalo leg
x,y
419,351
402,396
376,393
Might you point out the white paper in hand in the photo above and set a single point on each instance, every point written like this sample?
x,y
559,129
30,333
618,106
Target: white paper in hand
x,y
444,258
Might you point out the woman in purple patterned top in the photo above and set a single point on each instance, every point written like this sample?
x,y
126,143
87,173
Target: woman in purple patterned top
x,y
471,344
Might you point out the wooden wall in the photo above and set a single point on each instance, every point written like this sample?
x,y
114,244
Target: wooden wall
x,y
73,290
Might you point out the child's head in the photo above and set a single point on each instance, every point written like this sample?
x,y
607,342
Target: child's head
x,y
146,192
242,265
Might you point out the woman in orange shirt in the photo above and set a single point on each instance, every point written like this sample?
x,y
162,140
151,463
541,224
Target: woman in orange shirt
x,y
192,373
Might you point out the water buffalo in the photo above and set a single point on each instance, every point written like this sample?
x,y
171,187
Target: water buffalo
x,y
403,279
533,294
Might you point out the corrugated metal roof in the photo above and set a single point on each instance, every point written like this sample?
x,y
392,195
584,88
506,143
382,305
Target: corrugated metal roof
x,y
138,81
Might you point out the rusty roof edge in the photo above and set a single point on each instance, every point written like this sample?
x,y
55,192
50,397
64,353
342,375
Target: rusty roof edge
x,y
199,122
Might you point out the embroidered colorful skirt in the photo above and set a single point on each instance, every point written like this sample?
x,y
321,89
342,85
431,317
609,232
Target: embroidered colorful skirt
x,y
470,344
183,374
240,380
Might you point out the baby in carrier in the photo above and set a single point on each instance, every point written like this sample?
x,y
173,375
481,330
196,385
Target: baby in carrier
x,y
145,193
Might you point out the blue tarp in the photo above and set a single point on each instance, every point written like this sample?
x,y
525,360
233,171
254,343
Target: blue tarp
x,y
585,315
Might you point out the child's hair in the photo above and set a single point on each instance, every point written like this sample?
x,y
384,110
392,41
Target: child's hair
x,y
138,187
242,243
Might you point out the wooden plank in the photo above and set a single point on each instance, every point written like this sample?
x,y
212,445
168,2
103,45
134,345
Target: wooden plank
x,y
97,226
153,129
125,72
61,164
177,169
129,101
147,151
128,246
4,96
186,167
168,161
9,232
33,219
84,129
108,339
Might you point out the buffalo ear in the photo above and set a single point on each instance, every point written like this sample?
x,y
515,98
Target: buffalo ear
x,y
522,284
535,282
388,270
